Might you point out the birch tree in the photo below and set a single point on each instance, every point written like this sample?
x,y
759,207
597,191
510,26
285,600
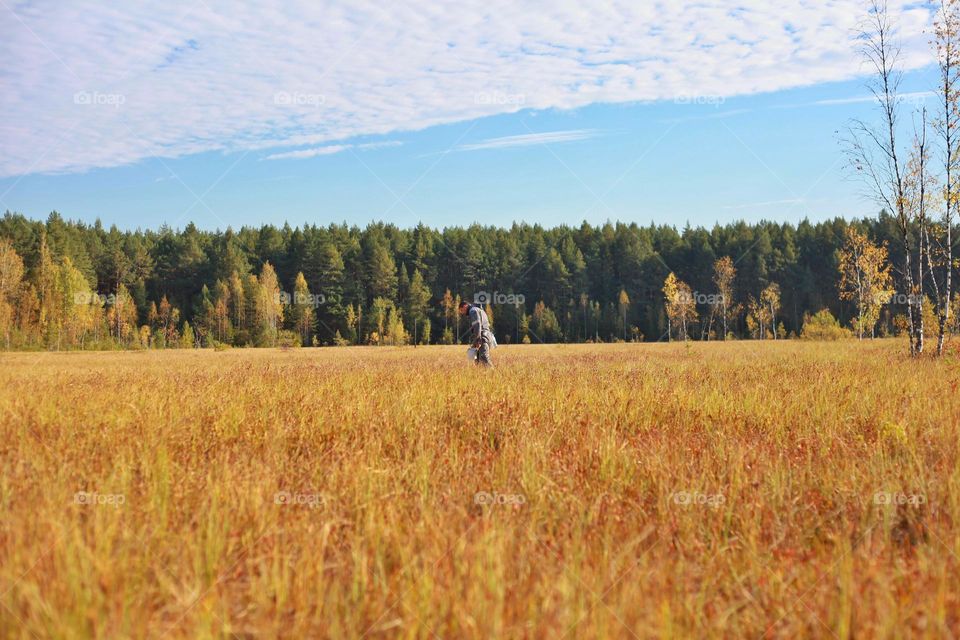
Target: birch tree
x,y
770,298
681,307
940,251
874,152
723,276
864,278
919,185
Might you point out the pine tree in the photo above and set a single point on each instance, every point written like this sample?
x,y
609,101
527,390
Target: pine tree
x,y
382,272
417,303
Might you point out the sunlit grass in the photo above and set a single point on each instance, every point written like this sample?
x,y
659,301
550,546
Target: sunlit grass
x,y
735,490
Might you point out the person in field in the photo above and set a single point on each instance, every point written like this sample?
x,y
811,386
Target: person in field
x,y
483,340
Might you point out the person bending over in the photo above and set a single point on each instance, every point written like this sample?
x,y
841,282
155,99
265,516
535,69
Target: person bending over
x,y
483,340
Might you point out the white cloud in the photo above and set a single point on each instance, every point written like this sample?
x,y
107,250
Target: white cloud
x,y
528,139
379,145
90,84
330,149
309,153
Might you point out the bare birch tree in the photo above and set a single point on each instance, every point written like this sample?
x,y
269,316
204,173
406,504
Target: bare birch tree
x,y
919,187
947,124
874,153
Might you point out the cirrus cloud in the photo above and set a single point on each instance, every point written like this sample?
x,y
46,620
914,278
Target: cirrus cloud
x,y
329,150
91,85
528,139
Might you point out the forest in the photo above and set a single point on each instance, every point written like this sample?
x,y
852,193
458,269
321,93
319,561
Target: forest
x,y
71,285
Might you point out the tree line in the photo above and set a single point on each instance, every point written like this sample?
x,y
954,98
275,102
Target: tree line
x,y
67,284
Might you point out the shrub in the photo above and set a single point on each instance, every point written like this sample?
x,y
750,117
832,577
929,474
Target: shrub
x,y
822,326
288,339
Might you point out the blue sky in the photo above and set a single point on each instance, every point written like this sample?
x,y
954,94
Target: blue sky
x,y
177,132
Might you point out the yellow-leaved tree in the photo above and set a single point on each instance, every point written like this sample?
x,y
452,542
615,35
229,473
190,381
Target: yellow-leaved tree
x,y
624,303
864,278
269,305
11,277
770,298
122,315
724,274
681,306
300,310
79,304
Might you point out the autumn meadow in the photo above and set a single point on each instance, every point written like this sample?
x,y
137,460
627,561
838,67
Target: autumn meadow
x,y
769,489
477,320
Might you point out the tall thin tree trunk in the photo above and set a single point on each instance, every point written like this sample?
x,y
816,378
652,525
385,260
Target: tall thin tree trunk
x,y
908,276
947,293
919,296
936,292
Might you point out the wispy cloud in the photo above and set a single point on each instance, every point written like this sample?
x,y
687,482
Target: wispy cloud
x,y
96,85
329,150
914,96
309,153
379,145
528,139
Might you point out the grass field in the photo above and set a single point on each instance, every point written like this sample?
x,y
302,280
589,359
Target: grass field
x,y
713,490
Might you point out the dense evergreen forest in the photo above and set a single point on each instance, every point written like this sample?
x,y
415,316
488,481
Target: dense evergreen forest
x,y
72,285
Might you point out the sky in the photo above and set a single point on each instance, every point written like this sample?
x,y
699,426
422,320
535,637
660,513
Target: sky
x,y
231,114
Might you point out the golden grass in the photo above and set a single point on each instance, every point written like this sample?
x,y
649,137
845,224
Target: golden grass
x,y
709,490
